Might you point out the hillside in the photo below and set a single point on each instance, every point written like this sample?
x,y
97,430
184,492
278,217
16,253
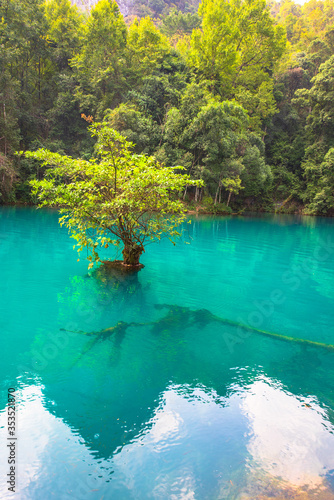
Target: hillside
x,y
152,8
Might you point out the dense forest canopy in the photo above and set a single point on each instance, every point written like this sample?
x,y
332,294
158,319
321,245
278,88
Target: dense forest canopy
x,y
239,92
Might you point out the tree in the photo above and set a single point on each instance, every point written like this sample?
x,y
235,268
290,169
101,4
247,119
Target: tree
x,y
320,184
259,103
68,131
64,30
135,126
8,176
176,24
211,139
232,186
146,47
320,122
156,96
99,67
237,45
24,69
318,160
118,198
290,16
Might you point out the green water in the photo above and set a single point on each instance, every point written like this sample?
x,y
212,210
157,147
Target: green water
x,y
181,407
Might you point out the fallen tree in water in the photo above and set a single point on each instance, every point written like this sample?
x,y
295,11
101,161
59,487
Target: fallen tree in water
x,y
184,317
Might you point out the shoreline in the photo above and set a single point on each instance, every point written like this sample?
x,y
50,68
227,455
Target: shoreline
x,y
202,210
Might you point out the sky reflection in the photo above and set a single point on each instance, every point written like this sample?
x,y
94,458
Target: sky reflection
x,y
196,446
290,438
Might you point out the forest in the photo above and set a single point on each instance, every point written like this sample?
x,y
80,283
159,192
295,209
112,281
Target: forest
x,y
238,92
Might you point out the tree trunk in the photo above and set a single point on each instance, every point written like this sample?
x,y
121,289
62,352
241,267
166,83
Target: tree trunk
x,y
216,197
131,254
229,197
5,120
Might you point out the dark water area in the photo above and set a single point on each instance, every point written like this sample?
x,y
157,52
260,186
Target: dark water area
x,y
174,403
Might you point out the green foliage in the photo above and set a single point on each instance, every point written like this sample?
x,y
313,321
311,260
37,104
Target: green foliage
x,y
218,91
8,177
135,126
237,45
65,25
305,22
100,65
176,24
259,103
209,205
210,139
155,97
120,197
320,122
24,70
147,47
317,106
319,194
233,185
156,8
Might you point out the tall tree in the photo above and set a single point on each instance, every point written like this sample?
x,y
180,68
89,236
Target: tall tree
x,y
65,29
318,160
26,71
99,67
210,138
237,44
146,47
177,24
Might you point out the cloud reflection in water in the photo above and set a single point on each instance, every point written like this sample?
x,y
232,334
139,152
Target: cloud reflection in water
x,y
198,445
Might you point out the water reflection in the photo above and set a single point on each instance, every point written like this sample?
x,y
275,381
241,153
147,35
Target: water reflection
x,y
196,445
290,438
52,457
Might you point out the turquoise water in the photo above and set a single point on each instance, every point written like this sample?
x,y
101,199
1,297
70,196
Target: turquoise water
x,y
181,406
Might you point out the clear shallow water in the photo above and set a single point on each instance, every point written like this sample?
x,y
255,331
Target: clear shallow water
x,y
182,407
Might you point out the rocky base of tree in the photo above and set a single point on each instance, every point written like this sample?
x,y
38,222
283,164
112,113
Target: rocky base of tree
x,y
120,265
116,272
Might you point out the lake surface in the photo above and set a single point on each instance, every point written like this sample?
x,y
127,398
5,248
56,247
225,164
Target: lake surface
x,y
180,406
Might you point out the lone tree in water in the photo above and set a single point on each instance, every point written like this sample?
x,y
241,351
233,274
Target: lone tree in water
x,y
118,198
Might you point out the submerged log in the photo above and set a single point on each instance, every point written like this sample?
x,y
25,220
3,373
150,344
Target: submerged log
x,y
118,330
204,316
181,318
